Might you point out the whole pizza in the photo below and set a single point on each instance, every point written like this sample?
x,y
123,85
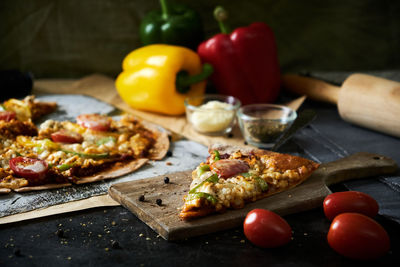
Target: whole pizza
x,y
62,153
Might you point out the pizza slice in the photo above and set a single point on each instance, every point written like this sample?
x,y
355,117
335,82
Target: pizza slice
x,y
28,109
17,116
94,148
233,176
16,119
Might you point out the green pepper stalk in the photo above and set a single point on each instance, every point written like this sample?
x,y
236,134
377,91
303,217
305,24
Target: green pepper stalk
x,y
174,24
221,15
184,81
164,9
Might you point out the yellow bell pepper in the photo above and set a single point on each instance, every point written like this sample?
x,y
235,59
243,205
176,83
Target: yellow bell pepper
x,y
20,108
159,77
40,145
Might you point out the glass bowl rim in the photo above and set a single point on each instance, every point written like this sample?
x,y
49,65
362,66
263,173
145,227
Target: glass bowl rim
x,y
292,114
218,97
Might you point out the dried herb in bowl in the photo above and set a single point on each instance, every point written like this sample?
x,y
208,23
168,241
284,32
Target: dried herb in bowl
x,y
265,132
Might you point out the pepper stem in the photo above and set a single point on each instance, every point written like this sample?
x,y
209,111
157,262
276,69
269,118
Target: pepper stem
x,y
164,9
221,15
183,80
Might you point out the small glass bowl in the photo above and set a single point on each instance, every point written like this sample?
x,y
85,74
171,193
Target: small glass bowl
x,y
263,124
212,114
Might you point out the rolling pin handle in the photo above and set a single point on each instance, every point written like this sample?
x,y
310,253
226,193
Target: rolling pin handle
x,y
312,88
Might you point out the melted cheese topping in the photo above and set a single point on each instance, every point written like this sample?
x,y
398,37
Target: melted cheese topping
x,y
36,167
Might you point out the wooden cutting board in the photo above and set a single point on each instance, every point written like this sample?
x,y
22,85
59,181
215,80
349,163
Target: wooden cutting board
x,y
165,221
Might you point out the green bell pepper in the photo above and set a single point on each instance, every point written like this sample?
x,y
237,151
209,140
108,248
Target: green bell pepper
x,y
202,169
197,195
86,155
212,179
193,194
174,24
65,166
263,184
105,140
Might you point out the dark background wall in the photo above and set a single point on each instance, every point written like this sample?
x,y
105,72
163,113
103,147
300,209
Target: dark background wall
x,y
73,38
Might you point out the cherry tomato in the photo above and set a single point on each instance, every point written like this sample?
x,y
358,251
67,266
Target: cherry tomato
x,y
95,122
350,201
32,169
64,136
266,229
357,236
7,115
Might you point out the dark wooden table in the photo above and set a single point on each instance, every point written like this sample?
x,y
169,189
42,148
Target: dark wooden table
x,y
115,237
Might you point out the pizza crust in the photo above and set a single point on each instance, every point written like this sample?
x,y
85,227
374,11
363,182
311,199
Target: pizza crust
x,y
229,149
40,187
282,161
160,148
5,190
119,169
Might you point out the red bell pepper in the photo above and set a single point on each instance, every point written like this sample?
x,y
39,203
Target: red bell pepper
x,y
245,61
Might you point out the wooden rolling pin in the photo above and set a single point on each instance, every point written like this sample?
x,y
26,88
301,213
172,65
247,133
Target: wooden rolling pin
x,y
362,99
